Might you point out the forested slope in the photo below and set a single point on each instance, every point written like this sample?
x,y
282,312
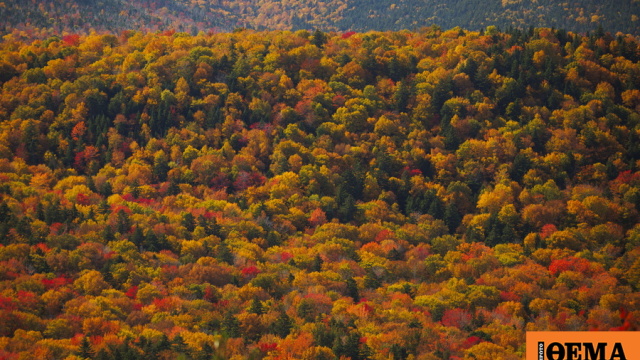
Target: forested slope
x,y
271,195
49,17
581,16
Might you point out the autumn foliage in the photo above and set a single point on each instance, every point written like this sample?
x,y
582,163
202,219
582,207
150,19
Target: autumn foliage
x,y
271,195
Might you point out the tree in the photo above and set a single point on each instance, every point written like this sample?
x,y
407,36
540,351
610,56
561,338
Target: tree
x,y
317,263
256,307
230,326
352,290
138,236
319,38
283,324
188,221
402,96
224,254
178,345
351,347
91,283
452,217
160,166
84,351
123,222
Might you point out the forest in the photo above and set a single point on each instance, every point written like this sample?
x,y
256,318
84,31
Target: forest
x,y
45,18
316,195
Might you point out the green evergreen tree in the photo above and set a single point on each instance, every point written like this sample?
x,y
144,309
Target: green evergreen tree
x,y
224,254
436,208
452,217
256,307
305,310
371,281
178,345
210,226
494,231
206,353
319,38
188,221
123,223
509,235
84,351
352,290
317,263
398,352
160,167
521,164
230,326
102,355
324,335
365,352
351,347
283,324
138,236
401,96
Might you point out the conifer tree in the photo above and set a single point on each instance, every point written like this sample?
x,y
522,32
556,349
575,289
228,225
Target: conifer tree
x,y
283,324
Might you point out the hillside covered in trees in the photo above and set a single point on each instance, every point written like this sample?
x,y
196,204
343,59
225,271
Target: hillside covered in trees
x,y
57,17
274,195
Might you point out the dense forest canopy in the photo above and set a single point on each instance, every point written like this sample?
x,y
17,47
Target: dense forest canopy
x,y
316,195
55,17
